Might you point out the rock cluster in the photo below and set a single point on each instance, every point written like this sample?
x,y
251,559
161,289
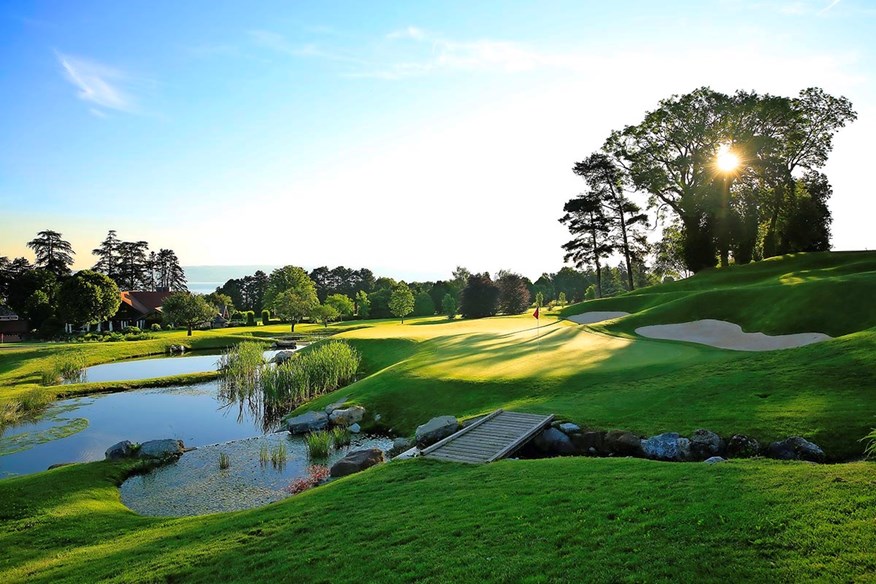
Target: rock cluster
x,y
176,349
563,439
333,415
166,449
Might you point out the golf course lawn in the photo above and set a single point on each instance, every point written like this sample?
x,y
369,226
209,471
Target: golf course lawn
x,y
550,520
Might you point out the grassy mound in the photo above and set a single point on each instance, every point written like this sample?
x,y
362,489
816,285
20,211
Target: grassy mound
x,y
826,292
559,520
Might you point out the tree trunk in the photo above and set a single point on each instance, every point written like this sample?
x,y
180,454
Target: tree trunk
x,y
190,331
293,326
596,260
626,247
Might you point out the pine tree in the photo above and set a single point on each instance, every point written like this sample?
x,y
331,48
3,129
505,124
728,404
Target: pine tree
x,y
52,252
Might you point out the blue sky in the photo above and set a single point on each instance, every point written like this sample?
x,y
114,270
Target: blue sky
x,y
407,137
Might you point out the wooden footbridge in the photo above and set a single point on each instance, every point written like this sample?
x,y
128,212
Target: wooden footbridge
x,y
493,437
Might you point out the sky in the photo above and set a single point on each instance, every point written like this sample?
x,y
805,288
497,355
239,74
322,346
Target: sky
x,y
405,137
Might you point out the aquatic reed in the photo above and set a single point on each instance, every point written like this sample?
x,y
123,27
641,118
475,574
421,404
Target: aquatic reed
x,y
318,444
341,436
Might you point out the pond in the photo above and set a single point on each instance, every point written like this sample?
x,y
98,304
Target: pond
x,y
135,369
81,429
195,485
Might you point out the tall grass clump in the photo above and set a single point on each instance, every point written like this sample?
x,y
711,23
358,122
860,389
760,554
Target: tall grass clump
x,y
224,462
241,365
279,456
870,440
322,369
264,455
318,444
67,366
341,436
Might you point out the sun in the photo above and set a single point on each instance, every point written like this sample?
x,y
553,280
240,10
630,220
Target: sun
x,y
726,161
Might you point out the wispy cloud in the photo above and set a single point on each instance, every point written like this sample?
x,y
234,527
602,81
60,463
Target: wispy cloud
x,y
279,43
409,32
98,84
827,8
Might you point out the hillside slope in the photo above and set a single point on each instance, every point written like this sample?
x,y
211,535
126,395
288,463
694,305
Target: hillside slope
x,y
830,292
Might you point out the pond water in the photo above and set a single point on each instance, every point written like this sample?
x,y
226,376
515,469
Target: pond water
x,y
134,369
195,414
195,485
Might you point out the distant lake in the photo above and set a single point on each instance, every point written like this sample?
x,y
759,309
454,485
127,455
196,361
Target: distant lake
x,y
203,287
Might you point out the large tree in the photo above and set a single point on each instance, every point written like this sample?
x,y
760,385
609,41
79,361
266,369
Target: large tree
x,y
514,295
605,179
133,264
298,300
288,278
169,274
480,297
591,229
185,308
342,304
674,156
88,298
108,256
401,301
33,294
52,252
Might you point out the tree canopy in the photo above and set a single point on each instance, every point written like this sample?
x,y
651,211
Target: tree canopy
x,y
88,297
52,252
401,301
185,308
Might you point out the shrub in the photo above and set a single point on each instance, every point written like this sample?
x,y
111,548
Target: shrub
x,y
266,317
318,444
131,330
51,328
250,318
590,292
223,461
155,327
315,475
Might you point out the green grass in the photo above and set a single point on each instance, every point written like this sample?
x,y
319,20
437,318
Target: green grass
x,y
318,444
556,520
830,292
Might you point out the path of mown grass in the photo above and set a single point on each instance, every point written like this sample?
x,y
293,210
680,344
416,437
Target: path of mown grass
x,y
825,392
556,520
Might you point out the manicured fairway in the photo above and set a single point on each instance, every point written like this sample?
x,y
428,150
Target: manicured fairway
x,y
557,520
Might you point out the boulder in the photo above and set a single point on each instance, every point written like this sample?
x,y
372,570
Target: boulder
x,y
569,428
335,406
621,443
706,444
119,450
796,448
354,428
742,446
285,344
307,422
667,446
161,449
347,416
715,460
59,465
592,443
399,445
436,429
282,357
552,441
356,461
176,349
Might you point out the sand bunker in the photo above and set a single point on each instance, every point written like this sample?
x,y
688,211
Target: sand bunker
x,y
596,316
726,335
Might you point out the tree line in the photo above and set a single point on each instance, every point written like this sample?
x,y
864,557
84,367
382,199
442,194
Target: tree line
x,y
729,176
48,294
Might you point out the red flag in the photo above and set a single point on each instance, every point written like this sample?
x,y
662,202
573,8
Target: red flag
x,y
535,314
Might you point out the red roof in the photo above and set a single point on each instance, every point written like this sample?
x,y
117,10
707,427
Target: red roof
x,y
145,302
